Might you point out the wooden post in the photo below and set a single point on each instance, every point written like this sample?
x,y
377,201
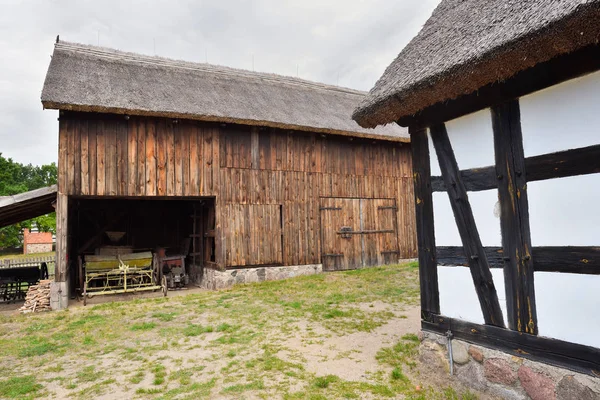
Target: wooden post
x,y
474,251
62,210
514,218
430,297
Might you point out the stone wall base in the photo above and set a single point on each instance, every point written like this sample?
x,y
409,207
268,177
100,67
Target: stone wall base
x,y
59,295
506,376
214,279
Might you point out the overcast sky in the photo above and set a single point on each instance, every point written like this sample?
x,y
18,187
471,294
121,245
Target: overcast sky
x,y
345,42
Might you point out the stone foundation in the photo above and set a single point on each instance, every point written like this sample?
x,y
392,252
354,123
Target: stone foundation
x,y
59,295
214,279
506,376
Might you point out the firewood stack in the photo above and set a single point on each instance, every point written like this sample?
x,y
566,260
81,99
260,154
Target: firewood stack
x,y
38,298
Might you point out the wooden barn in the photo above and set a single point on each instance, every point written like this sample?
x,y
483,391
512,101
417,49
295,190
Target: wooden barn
x,y
244,176
502,104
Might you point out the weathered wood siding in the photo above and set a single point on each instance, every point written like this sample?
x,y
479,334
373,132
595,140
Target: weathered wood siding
x,y
111,156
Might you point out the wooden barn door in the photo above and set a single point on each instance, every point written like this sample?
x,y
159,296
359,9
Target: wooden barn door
x,y
358,232
340,250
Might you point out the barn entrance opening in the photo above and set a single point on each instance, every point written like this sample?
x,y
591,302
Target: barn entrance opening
x,y
358,232
128,245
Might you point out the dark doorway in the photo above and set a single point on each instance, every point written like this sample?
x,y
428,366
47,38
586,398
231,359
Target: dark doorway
x,y
180,228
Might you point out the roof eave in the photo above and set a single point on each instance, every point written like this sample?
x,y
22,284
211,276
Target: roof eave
x,y
51,105
521,54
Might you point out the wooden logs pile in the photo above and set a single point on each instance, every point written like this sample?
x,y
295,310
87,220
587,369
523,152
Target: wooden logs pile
x,y
38,298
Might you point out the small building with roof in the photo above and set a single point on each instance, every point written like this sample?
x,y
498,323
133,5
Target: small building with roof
x,y
248,176
37,242
501,100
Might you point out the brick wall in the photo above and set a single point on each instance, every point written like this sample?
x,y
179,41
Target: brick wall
x,y
36,242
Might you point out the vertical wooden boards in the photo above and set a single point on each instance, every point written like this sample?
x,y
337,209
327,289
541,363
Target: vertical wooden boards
x,y
195,142
122,164
385,211
170,150
85,177
92,160
76,157
178,136
368,241
332,257
110,158
428,277
371,236
141,158
186,129
253,234
63,146
474,251
100,158
514,218
150,180
254,149
70,156
62,211
341,251
132,142
161,158
215,139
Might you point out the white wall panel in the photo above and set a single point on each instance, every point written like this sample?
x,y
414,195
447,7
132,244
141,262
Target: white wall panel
x,y
564,116
562,211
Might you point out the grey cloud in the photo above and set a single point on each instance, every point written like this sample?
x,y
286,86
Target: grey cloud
x,y
347,42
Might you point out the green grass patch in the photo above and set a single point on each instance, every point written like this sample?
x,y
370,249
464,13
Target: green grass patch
x,y
323,382
239,388
36,346
143,326
196,330
160,373
19,387
224,328
165,317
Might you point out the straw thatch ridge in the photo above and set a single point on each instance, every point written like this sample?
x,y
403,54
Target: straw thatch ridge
x,y
467,44
95,79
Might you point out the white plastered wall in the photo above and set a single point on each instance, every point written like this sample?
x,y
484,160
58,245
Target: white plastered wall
x,y
562,211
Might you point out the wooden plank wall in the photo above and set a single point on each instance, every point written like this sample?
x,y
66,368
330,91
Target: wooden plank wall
x,y
137,157
246,239
161,157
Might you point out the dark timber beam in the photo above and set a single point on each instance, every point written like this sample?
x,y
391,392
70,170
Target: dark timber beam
x,y
582,161
566,259
577,357
514,218
428,278
478,263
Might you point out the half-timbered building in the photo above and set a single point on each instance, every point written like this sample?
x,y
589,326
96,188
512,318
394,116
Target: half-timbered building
x,y
246,174
502,102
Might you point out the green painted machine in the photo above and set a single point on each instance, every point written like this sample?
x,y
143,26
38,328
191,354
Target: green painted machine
x,y
124,273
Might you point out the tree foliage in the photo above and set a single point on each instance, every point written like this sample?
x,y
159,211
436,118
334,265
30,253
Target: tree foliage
x,y
18,178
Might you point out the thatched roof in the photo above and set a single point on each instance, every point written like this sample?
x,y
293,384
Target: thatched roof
x,y
467,44
88,78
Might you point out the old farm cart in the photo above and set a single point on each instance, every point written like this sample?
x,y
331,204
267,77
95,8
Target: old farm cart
x,y
125,273
358,232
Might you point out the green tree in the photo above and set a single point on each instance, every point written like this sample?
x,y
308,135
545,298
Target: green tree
x,y
18,178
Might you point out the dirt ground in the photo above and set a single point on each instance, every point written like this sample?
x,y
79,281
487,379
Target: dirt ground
x,y
337,335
